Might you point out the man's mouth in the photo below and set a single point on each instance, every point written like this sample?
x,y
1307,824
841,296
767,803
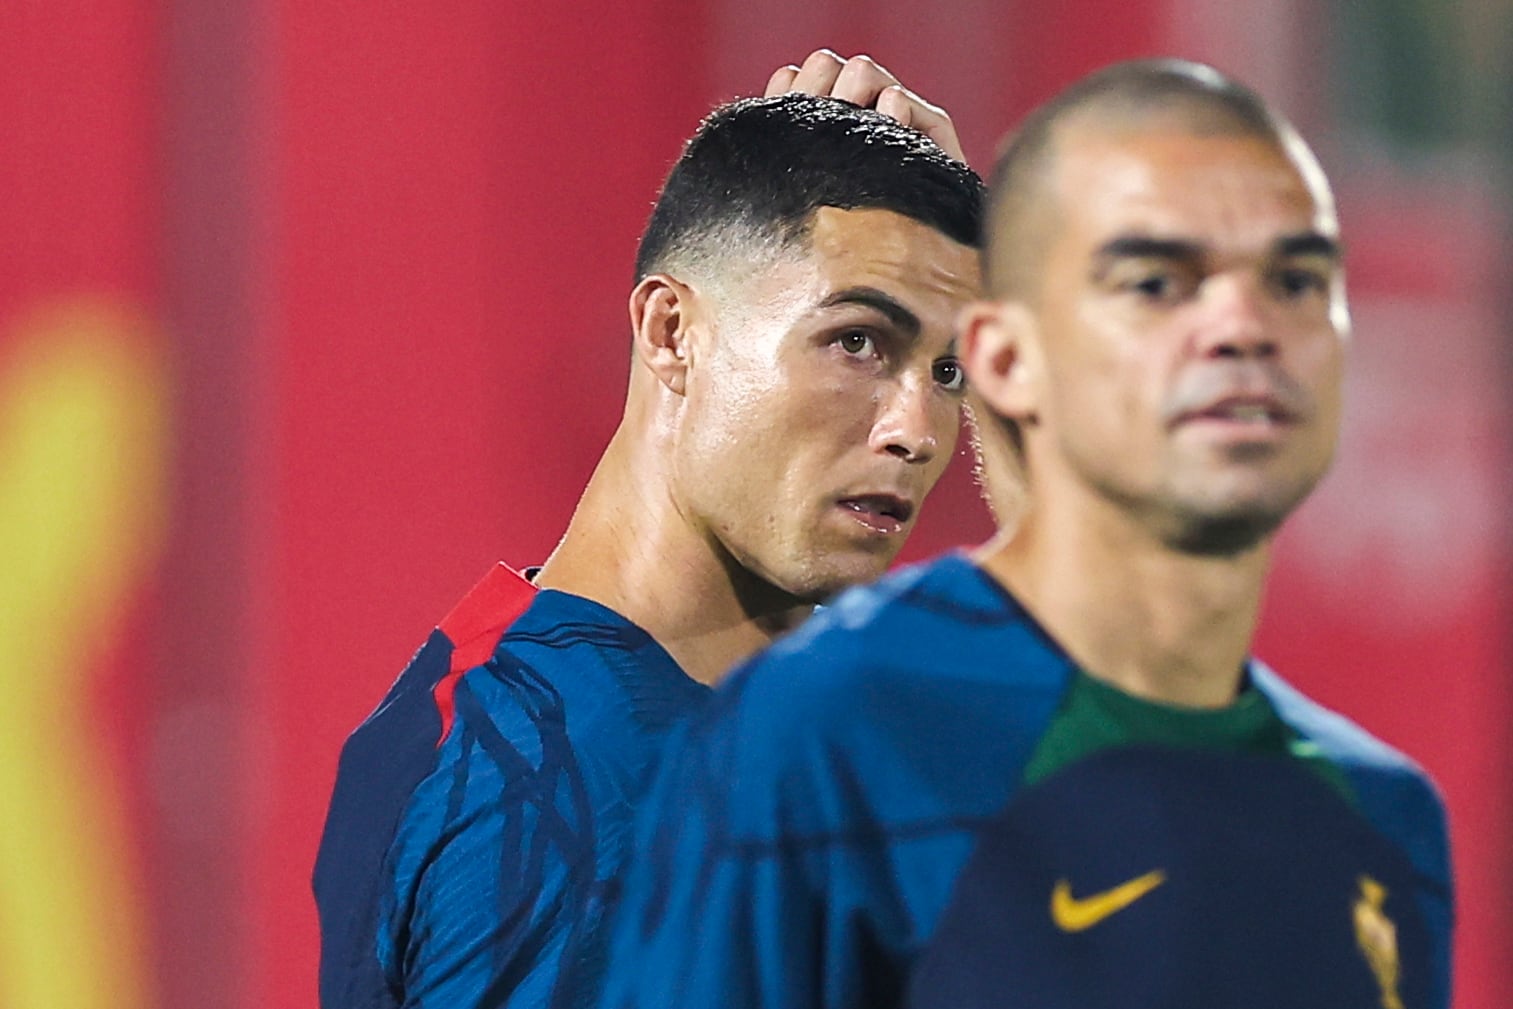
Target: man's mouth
x,y
1248,411
882,513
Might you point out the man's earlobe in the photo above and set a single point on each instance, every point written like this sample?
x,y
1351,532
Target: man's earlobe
x,y
1000,351
660,317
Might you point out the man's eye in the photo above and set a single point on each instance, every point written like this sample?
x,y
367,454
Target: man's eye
x,y
1297,281
1157,283
858,343
1156,286
948,373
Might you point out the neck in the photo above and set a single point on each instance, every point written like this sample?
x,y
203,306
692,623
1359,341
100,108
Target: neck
x,y
630,548
1130,610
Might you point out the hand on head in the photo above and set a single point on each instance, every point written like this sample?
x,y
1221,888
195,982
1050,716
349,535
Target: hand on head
x,y
863,81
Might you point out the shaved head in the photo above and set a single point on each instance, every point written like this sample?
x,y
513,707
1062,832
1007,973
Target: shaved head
x,y
1123,98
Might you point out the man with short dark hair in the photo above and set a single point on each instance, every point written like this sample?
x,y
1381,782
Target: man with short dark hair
x,y
794,394
1050,773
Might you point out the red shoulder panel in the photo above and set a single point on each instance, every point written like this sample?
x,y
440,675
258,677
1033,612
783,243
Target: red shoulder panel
x,y
475,626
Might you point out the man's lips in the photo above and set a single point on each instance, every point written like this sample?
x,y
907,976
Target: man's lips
x,y
885,513
1242,410
1250,398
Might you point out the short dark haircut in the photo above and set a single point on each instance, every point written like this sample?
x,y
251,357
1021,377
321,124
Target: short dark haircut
x,y
759,168
1132,94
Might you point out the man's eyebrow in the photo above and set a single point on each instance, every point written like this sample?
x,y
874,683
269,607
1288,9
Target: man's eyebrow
x,y
1310,243
1143,247
882,301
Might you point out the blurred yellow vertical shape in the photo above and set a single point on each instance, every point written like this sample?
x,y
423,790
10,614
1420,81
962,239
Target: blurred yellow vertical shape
x,y
83,447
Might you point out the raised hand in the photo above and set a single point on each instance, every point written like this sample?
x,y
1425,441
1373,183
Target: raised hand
x,y
864,81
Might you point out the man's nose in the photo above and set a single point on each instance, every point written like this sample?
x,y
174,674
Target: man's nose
x,y
908,424
1236,320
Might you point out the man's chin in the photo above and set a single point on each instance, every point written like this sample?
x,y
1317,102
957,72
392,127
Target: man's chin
x,y
821,582
1228,532
1237,519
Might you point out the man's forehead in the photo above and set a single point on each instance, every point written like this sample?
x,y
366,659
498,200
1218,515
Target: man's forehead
x,y
1170,181
850,246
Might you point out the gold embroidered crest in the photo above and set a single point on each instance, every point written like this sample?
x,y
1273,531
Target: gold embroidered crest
x,y
1377,937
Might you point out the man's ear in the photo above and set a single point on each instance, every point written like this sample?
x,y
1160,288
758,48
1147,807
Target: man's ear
x,y
999,347
662,310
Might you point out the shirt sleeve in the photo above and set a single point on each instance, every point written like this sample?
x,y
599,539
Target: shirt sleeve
x,y
1429,846
483,894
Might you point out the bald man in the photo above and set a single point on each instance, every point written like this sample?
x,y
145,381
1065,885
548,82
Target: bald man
x,y
1050,773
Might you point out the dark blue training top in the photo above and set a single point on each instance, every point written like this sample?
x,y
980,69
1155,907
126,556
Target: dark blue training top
x,y
900,805
481,815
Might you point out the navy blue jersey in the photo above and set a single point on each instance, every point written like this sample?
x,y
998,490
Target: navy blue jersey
x,y
481,815
917,799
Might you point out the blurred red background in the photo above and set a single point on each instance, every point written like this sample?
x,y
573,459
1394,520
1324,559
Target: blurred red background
x,y
311,311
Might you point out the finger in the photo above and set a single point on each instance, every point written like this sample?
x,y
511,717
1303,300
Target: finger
x,y
818,73
931,120
781,81
861,81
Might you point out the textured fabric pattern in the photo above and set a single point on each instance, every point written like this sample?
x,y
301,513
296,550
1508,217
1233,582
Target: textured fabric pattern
x,y
501,848
857,793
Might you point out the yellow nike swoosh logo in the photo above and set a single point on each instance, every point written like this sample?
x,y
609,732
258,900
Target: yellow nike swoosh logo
x,y
1073,915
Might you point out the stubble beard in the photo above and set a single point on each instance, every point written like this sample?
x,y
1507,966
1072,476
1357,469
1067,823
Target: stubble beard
x,y
1229,528
1221,536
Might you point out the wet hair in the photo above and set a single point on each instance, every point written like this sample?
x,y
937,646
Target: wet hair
x,y
757,170
1130,96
